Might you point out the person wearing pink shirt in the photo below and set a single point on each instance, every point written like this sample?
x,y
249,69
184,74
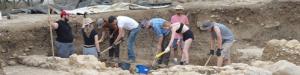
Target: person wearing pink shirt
x,y
181,18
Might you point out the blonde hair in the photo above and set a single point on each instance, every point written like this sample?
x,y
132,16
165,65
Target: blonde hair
x,y
88,29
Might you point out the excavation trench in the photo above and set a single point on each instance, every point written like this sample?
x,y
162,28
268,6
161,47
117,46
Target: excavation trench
x,y
252,25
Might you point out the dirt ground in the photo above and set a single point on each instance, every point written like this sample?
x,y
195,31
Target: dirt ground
x,y
253,22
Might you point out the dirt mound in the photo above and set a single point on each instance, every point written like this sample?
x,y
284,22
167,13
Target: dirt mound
x,y
282,50
281,67
75,65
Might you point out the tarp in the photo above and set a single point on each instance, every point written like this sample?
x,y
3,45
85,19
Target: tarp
x,y
81,6
115,7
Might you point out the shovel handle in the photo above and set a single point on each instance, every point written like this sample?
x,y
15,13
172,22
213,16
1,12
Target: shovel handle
x,y
207,60
105,50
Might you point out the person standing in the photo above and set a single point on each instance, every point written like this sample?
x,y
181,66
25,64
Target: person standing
x,y
156,24
126,23
178,17
224,37
64,39
90,38
187,37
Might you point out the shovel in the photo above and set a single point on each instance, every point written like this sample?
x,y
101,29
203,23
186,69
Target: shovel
x,y
105,50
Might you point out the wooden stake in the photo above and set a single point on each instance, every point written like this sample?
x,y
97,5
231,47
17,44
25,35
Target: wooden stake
x,y
50,29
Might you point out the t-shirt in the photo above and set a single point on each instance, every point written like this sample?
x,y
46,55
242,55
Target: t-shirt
x,y
64,32
157,26
182,19
89,39
227,35
127,22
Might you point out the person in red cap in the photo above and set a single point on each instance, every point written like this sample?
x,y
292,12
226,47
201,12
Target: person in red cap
x,y
64,39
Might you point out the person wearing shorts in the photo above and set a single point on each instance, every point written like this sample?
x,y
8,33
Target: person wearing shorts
x,y
224,37
187,37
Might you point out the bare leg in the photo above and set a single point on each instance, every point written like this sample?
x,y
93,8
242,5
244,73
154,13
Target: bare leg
x,y
185,51
227,61
220,61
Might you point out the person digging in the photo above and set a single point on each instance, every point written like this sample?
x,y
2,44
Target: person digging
x,y
187,35
156,24
112,32
126,23
182,18
224,37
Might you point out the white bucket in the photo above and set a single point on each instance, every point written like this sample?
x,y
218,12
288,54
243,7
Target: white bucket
x,y
0,15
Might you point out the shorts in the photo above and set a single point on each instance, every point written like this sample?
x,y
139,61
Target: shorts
x,y
90,51
226,50
187,35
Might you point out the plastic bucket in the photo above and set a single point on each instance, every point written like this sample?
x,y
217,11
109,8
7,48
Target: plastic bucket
x,y
141,69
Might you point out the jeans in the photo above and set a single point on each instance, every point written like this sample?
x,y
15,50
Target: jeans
x,y
131,43
64,50
166,57
114,52
90,51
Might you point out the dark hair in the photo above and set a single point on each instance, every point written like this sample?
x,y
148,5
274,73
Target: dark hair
x,y
111,19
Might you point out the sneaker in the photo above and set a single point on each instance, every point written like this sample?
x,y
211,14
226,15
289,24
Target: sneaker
x,y
131,61
183,63
162,65
115,59
175,61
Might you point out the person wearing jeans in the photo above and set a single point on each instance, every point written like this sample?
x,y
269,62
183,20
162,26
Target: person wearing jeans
x,y
64,40
126,23
156,24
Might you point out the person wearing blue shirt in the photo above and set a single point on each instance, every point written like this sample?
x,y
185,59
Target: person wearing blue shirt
x,y
162,36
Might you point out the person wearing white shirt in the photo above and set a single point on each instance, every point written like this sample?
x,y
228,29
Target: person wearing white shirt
x,y
126,23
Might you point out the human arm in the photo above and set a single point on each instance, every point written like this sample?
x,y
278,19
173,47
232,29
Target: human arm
x,y
104,32
97,43
219,37
120,36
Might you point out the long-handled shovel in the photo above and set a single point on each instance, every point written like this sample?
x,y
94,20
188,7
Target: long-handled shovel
x,y
50,29
105,50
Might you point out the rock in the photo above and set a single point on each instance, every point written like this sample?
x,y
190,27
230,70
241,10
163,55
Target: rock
x,y
261,64
2,49
76,64
276,50
34,60
292,43
15,55
250,53
85,72
275,42
284,67
11,63
272,24
27,50
85,61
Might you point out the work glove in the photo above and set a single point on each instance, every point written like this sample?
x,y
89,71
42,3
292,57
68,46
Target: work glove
x,y
211,52
219,51
167,50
